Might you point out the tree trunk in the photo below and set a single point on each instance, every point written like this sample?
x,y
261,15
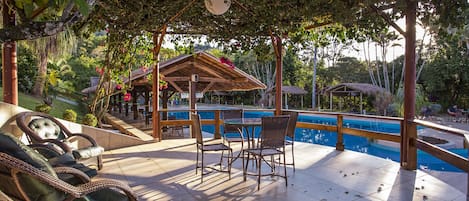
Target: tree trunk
x,y
41,74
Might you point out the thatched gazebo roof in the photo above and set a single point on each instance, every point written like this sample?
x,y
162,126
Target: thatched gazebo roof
x,y
354,89
289,90
213,75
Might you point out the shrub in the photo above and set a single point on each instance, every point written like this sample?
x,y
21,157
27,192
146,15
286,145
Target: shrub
x,y
90,120
70,115
44,108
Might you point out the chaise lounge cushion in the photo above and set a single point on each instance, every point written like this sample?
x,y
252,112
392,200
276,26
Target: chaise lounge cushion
x,y
35,190
46,129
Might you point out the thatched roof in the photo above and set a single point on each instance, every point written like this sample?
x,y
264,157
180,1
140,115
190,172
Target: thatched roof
x,y
289,90
213,75
354,89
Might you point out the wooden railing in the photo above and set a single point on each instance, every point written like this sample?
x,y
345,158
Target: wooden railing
x,y
451,158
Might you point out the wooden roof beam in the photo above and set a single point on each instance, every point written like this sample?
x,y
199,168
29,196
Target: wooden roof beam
x,y
208,87
176,68
208,70
175,86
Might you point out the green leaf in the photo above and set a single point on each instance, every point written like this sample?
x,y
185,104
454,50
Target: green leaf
x,y
83,7
28,9
42,3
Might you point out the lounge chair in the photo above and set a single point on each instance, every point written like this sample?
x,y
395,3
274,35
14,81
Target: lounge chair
x,y
41,128
26,175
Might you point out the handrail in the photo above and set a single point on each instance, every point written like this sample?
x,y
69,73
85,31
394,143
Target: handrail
x,y
436,151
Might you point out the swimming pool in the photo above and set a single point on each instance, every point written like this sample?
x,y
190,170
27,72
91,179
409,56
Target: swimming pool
x,y
354,143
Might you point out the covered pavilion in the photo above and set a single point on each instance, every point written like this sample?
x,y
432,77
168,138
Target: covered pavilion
x,y
294,90
200,72
353,90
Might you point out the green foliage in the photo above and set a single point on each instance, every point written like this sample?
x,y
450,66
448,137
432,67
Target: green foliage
x,y
446,78
70,115
90,120
44,108
27,69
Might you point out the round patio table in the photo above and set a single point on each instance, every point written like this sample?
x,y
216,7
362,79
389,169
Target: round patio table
x,y
248,124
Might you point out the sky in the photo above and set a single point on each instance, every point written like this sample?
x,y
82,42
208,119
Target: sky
x,y
392,52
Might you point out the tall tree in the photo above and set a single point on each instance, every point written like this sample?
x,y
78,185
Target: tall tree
x,y
50,48
27,20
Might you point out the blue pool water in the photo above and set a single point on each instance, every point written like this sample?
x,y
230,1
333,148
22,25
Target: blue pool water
x,y
355,143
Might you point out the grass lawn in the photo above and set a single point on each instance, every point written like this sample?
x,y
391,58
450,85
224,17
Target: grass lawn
x,y
58,107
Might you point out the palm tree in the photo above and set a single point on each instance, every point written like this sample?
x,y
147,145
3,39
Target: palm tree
x,y
46,48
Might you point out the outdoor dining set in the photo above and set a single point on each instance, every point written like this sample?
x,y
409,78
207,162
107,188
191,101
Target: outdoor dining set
x,y
266,147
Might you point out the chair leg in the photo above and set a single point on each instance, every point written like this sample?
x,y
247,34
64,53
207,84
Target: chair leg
x,y
259,173
230,158
202,168
197,162
245,167
293,156
285,169
99,160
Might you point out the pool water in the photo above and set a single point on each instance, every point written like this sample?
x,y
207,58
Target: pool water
x,y
354,143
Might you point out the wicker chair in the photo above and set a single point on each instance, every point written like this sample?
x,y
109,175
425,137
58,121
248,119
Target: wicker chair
x,y
291,134
41,128
26,175
202,148
232,133
272,143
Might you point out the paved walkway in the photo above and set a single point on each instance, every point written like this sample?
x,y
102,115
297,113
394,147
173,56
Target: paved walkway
x,y
166,171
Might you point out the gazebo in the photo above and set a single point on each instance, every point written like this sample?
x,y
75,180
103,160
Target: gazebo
x,y
290,90
200,72
353,90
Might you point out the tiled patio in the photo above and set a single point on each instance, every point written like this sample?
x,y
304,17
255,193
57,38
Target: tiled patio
x,y
165,171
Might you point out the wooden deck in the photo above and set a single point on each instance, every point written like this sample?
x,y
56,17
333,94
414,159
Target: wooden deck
x,y
165,171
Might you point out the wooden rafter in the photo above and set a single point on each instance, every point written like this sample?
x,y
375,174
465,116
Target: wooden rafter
x,y
176,86
208,87
208,70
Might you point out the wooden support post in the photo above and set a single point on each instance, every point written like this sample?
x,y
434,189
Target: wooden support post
x,y
126,108
9,70
277,43
340,136
134,103
164,100
217,125
192,100
157,42
120,102
147,106
409,133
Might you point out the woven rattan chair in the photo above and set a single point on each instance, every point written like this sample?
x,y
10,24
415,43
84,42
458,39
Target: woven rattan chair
x,y
232,133
26,175
41,128
272,143
203,148
291,134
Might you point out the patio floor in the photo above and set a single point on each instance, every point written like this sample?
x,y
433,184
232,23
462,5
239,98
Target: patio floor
x,y
166,171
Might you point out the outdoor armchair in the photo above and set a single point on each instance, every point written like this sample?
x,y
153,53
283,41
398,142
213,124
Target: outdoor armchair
x,y
26,175
202,148
272,144
232,133
41,128
290,136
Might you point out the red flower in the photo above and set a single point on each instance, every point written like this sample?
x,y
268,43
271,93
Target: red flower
x,y
127,97
118,87
99,70
226,61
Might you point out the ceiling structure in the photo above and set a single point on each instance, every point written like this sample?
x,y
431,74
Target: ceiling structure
x,y
213,75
